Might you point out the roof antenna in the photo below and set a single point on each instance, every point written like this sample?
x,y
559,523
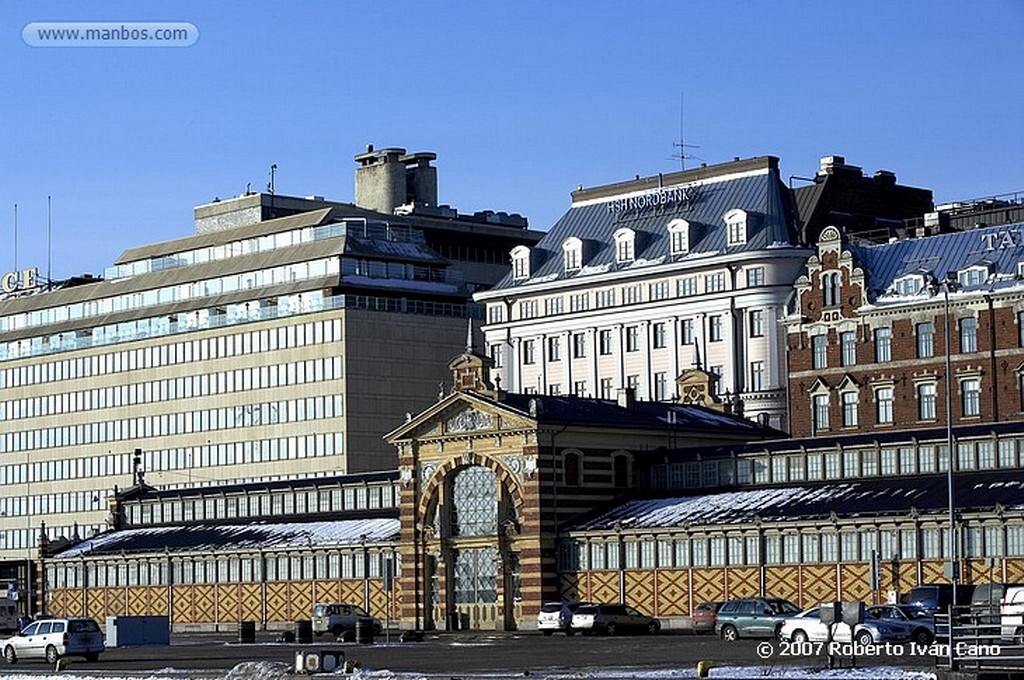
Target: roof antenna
x,y
681,154
49,240
270,184
15,237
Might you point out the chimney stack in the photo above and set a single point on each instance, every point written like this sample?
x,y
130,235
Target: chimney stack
x,y
389,178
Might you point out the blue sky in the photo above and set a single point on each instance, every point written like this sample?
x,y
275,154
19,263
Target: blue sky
x,y
522,101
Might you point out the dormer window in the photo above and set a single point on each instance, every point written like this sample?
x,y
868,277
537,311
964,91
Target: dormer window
x,y
830,288
909,285
520,263
625,245
736,226
679,237
974,276
572,254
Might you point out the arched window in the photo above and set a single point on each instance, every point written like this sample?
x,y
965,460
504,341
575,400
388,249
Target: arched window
x,y
679,237
520,263
830,288
571,468
620,471
736,226
625,245
572,254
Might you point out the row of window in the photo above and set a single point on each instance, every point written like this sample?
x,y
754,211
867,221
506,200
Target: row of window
x,y
228,570
21,539
631,294
886,461
313,445
173,389
167,424
794,547
263,505
926,393
174,353
193,290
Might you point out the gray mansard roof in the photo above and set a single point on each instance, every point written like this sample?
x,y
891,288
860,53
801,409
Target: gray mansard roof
x,y
707,195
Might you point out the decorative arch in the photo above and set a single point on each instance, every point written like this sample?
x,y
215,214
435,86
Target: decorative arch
x,y
429,495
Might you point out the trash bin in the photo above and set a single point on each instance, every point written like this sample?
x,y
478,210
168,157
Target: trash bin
x,y
453,621
364,631
246,632
304,632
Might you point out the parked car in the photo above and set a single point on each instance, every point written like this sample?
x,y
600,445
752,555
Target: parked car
x,y
807,626
51,639
704,617
1011,614
340,620
557,617
752,617
985,606
613,619
920,623
935,598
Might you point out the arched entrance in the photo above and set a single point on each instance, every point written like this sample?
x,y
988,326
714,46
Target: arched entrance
x,y
474,583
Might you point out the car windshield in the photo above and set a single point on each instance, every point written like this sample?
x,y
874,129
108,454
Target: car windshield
x,y
783,607
587,609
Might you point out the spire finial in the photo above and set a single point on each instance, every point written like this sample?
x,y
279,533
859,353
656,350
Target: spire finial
x,y
469,335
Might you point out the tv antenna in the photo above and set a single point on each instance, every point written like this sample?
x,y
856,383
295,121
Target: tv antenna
x,y
681,154
273,173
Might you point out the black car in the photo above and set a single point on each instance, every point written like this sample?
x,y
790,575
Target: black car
x,y
935,598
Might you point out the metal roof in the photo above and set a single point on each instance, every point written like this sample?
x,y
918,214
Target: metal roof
x,y
237,537
757,190
1000,248
926,494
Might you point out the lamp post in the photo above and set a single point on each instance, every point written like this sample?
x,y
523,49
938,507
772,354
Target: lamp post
x,y
948,284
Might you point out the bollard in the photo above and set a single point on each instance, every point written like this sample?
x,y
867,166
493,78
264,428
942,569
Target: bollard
x,y
246,632
304,632
704,668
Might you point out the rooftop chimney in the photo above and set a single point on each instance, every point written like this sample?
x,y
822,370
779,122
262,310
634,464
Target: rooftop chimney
x,y
389,178
626,398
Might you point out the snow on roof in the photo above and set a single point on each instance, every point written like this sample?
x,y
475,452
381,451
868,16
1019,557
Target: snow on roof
x,y
238,536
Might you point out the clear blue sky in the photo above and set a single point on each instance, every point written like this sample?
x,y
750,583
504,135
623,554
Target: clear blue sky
x,y
521,100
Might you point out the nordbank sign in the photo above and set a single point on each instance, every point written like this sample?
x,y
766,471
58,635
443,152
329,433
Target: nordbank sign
x,y
677,198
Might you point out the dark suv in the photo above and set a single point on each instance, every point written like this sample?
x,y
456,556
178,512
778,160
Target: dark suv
x,y
934,598
753,617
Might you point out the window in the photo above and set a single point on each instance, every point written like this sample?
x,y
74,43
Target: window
x,y
714,283
579,388
755,277
718,376
715,328
820,412
736,226
830,288
969,334
973,276
604,339
633,382
679,237
819,344
925,340
553,306
970,397
686,338
520,263
756,323
528,352
1020,329
658,338
887,467
606,388
527,309
688,286
625,240
884,403
883,345
572,254
756,376
926,401
579,345
631,295
850,404
496,355
495,313
848,344
555,389
909,285
660,386
632,338
606,298
571,468
579,302
554,349
658,290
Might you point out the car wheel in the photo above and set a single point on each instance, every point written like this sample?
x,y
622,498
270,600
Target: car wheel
x,y
653,627
547,633
611,629
922,637
51,654
92,656
1018,636
9,655
864,638
799,636
730,634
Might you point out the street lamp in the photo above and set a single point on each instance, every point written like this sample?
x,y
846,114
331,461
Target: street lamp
x,y
950,284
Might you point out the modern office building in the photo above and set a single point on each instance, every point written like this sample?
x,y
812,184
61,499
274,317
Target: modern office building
x,y
280,341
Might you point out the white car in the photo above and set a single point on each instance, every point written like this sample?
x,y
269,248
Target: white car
x,y
807,627
51,639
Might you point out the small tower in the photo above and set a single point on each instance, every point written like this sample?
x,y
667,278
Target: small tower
x,y
471,370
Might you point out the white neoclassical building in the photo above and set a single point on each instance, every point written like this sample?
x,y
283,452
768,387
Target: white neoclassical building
x,y
644,280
